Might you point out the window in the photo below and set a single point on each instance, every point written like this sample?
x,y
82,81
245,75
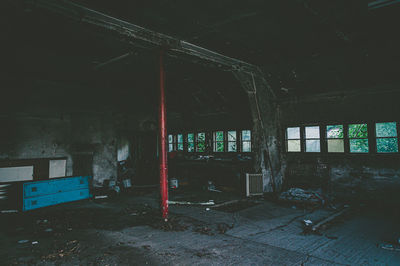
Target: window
x,y
170,143
358,138
201,142
313,143
190,142
218,141
232,141
293,139
386,137
180,142
335,138
246,141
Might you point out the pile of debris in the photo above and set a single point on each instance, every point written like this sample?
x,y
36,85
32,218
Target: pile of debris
x,y
298,195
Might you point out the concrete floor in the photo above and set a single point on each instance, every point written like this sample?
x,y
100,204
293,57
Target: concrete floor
x,y
127,231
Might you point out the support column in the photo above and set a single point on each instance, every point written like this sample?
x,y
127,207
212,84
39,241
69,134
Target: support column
x,y
163,143
268,158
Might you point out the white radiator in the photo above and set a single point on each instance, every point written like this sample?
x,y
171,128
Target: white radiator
x,y
254,184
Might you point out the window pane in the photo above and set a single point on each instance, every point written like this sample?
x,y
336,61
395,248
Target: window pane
x,y
231,135
246,135
201,137
201,147
170,138
334,132
170,147
231,146
387,145
359,145
190,147
312,132
190,137
386,129
219,136
246,146
219,147
358,131
180,146
180,138
293,146
335,145
293,133
313,145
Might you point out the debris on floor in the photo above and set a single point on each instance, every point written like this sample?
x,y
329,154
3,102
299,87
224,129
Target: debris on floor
x,y
210,202
390,247
298,195
309,226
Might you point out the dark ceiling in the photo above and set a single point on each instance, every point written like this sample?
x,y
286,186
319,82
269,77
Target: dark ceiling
x,y
304,47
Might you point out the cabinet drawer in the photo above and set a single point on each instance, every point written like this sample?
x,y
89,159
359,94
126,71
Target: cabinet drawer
x,y
47,187
54,199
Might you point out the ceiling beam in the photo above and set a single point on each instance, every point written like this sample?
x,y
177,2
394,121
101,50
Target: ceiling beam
x,y
134,32
381,3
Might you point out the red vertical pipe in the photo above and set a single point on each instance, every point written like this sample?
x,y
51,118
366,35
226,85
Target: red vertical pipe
x,y
163,143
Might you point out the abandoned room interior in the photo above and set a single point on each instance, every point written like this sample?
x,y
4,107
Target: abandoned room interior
x,y
200,132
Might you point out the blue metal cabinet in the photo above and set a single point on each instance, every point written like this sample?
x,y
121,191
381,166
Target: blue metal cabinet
x,y
54,199
45,193
45,187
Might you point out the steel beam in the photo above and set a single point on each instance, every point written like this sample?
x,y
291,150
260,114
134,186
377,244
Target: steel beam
x,y
134,32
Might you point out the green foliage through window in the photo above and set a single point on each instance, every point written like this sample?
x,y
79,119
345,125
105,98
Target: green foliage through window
x,y
358,135
386,141
219,141
201,142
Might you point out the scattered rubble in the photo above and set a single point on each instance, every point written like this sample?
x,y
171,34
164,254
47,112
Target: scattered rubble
x,y
298,195
391,247
310,227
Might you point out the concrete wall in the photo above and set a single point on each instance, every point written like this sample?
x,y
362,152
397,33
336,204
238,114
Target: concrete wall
x,y
74,136
345,176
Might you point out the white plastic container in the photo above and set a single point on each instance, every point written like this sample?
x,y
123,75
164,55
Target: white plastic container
x,y
173,183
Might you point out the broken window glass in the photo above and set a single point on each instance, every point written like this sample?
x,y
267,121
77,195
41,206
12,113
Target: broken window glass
x,y
386,137
358,138
313,143
293,139
335,138
190,142
218,141
246,141
232,141
201,142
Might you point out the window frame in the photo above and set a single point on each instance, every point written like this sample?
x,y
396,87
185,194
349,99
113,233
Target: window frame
x,y
231,141
305,138
171,143
326,139
396,137
368,138
215,141
196,141
188,142
299,139
177,142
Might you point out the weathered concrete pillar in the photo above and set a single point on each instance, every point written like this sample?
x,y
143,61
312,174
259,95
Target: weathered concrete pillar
x,y
266,130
